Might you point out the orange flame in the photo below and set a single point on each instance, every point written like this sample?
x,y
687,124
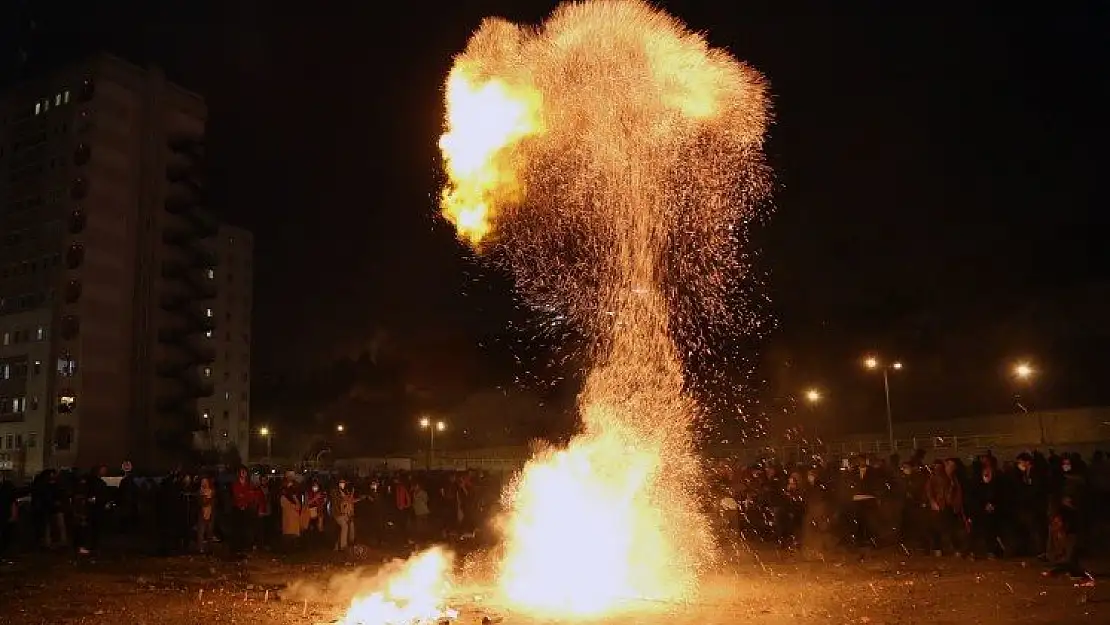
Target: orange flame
x,y
484,119
417,593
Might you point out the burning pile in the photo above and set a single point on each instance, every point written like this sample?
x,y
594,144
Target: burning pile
x,y
415,594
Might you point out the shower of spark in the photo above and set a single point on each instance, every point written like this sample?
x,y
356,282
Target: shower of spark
x,y
609,158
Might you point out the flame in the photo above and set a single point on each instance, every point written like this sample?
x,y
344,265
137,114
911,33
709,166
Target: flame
x,y
416,594
584,533
484,118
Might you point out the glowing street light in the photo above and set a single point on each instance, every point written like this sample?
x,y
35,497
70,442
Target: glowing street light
x,y
1024,373
813,396
339,428
873,363
432,427
265,433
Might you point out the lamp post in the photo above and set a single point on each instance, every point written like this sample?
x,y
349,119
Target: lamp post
x,y
265,433
873,364
432,427
1023,373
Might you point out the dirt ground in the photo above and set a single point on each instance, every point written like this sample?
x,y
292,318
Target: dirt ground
x,y
777,589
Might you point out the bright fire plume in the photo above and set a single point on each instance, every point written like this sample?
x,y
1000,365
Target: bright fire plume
x,y
617,157
484,117
416,594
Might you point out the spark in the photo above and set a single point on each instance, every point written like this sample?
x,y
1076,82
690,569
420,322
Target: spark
x,y
610,159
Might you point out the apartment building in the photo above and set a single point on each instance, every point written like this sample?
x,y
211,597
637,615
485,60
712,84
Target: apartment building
x,y
108,258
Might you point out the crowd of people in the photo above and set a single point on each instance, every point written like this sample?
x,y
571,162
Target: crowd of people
x,y
193,512
1054,507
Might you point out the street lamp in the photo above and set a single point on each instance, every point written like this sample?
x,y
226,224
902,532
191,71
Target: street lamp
x,y
873,363
813,396
437,426
265,433
1023,373
339,428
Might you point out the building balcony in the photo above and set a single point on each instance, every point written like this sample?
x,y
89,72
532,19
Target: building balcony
x,y
173,402
175,269
198,318
179,234
203,287
182,196
201,350
201,257
172,336
205,222
174,301
171,368
199,387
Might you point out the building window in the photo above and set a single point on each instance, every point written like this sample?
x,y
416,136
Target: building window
x,y
210,274
65,96
227,395
208,312
67,402
67,365
207,416
34,403
37,367
58,100
208,372
38,108
7,338
19,441
40,334
19,405
5,371
207,334
63,437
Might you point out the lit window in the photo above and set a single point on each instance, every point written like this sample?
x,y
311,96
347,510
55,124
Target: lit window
x,y
65,96
67,366
227,395
208,372
208,312
207,334
7,338
206,415
46,105
5,371
40,333
211,274
67,403
37,367
58,100
19,404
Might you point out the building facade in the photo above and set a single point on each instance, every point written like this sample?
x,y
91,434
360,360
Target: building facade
x,y
107,269
225,415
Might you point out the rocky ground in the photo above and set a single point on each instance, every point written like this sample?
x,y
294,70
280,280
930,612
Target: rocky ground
x,y
881,588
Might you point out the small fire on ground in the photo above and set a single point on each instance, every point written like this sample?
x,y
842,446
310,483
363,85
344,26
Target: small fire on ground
x,y
415,595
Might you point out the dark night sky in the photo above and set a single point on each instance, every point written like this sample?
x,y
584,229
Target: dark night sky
x,y
936,167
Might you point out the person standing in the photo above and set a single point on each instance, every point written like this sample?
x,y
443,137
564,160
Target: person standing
x,y
343,508
290,513
206,513
244,512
